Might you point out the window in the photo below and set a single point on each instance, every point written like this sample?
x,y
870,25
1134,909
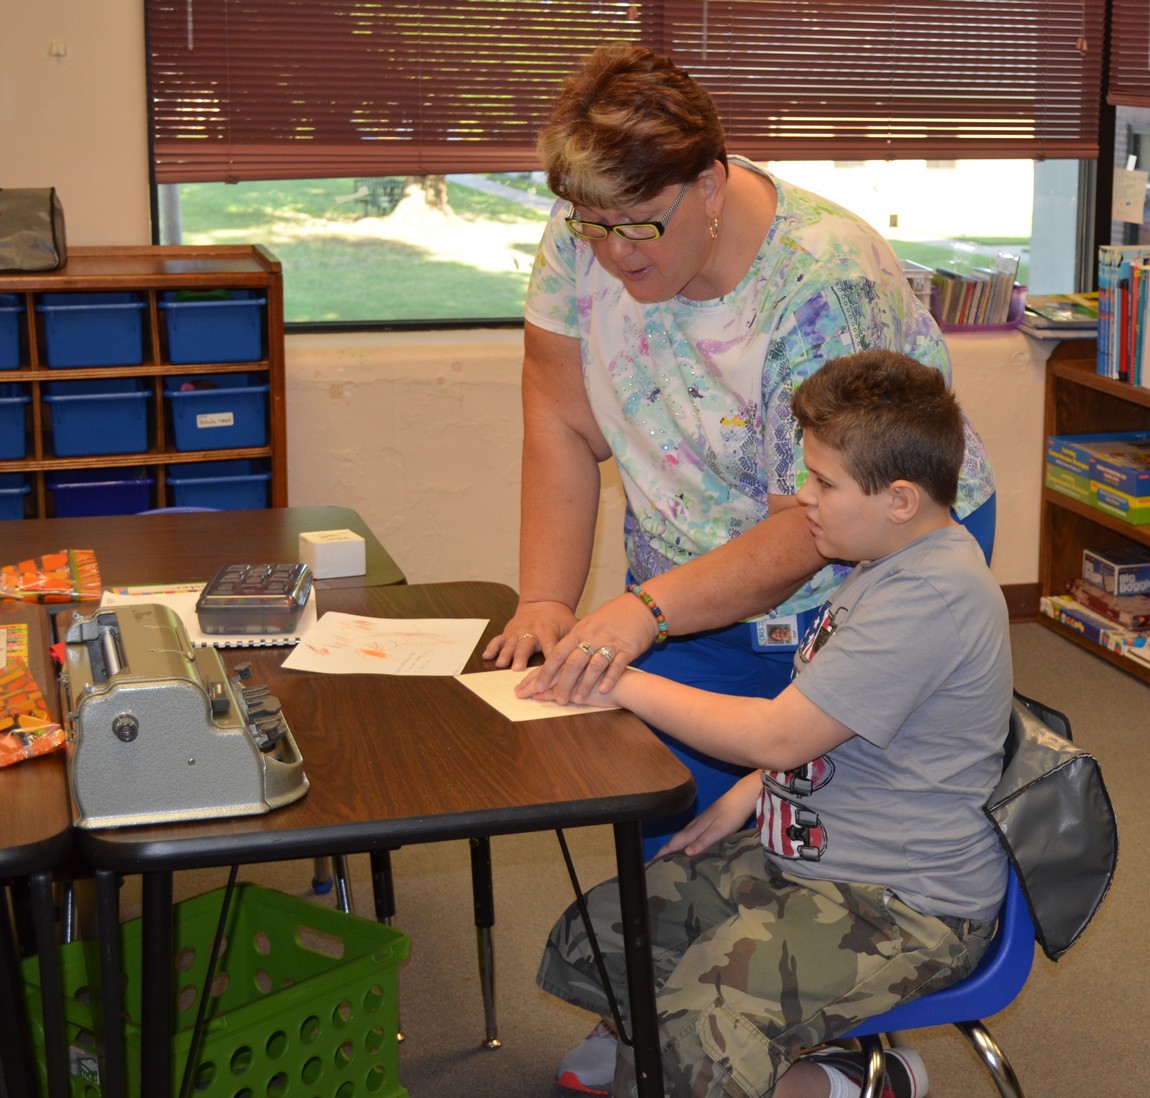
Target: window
x,y
385,150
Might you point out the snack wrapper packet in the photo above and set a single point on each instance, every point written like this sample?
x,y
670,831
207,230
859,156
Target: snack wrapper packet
x,y
26,727
71,575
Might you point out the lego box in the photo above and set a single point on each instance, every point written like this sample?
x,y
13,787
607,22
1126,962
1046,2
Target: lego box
x,y
1120,571
1119,461
1132,509
1070,484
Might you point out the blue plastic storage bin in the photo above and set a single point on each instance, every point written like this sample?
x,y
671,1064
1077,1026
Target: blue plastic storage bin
x,y
112,491
13,426
13,488
98,417
237,485
221,412
11,313
93,329
213,326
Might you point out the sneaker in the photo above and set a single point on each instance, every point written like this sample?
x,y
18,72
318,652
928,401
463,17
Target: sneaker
x,y
905,1072
590,1066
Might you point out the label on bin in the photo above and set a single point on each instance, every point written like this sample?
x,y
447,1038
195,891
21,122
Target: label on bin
x,y
216,419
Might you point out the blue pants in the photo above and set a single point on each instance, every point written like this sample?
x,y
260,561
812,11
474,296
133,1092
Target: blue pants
x,y
725,661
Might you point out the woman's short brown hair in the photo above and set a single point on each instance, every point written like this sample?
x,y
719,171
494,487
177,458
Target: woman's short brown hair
x,y
627,124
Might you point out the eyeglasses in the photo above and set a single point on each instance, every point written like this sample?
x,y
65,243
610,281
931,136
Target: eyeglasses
x,y
629,230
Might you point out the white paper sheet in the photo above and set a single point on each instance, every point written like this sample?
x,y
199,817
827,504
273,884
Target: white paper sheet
x,y
347,644
497,688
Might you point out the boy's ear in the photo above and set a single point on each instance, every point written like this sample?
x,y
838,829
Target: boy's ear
x,y
905,498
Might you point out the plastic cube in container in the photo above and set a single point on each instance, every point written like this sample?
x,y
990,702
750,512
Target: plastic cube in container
x,y
304,1000
11,315
240,484
111,491
213,325
217,411
93,329
98,417
14,399
13,489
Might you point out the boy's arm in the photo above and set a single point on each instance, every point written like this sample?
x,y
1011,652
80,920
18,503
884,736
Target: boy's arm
x,y
777,734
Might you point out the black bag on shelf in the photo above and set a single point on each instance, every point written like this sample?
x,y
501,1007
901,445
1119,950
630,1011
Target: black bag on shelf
x,y
31,229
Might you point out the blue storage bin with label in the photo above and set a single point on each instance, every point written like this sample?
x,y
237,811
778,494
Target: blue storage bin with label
x,y
14,487
14,399
213,325
240,484
11,314
93,329
112,491
218,411
98,417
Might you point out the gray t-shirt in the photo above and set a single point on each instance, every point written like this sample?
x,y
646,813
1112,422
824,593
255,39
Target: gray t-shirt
x,y
915,660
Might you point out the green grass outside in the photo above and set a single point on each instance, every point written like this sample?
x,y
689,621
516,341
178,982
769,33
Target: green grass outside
x,y
332,277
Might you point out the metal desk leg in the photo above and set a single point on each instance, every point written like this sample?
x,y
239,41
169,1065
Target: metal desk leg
x,y
157,1009
483,893
640,968
383,892
113,1073
17,1068
51,994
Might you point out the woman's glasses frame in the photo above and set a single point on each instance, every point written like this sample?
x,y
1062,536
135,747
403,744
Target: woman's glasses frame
x,y
628,230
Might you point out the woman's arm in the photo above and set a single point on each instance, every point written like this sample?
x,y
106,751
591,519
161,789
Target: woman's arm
x,y
562,449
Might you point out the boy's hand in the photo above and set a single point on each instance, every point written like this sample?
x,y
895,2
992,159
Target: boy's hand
x,y
532,687
730,813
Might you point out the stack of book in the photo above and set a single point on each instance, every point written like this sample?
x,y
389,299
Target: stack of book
x,y
1061,316
1110,603
1123,308
981,297
1110,472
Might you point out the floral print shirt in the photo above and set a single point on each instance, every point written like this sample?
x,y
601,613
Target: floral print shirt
x,y
694,396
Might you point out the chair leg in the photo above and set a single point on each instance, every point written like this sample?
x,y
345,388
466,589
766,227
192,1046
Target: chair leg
x,y
993,1057
343,900
875,1066
383,891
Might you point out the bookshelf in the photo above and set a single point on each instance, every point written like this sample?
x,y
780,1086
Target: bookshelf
x,y
1081,401
151,273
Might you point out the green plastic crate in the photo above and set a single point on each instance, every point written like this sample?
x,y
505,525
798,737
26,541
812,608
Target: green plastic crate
x,y
304,1001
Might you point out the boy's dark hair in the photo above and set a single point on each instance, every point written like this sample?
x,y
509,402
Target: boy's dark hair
x,y
890,417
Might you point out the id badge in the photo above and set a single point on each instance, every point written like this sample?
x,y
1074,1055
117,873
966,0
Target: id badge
x,y
774,632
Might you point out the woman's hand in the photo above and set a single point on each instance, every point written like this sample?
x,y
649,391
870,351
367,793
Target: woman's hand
x,y
536,627
594,654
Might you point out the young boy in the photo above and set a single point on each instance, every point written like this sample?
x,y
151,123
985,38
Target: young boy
x,y
871,875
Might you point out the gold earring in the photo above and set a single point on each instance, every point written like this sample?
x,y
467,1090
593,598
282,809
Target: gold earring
x,y
714,228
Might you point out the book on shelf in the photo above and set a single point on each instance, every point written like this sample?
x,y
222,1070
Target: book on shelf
x,y
1123,312
1062,311
977,297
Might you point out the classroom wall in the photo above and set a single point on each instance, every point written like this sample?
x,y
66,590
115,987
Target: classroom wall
x,y
418,432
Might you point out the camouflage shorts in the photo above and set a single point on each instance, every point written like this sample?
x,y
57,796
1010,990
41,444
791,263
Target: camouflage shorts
x,y
753,966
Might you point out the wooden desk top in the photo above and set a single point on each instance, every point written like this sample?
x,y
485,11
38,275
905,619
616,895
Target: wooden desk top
x,y
186,548
414,759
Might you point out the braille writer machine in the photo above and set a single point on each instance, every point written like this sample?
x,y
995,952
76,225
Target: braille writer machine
x,y
159,732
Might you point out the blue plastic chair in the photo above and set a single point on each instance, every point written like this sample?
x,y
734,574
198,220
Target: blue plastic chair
x,y
992,986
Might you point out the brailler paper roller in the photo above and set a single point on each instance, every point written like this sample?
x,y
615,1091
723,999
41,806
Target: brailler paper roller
x,y
158,732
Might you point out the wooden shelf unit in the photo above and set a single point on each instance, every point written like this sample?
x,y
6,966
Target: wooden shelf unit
x,y
1081,402
150,271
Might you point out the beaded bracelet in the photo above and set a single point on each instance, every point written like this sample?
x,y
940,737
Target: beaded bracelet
x,y
649,602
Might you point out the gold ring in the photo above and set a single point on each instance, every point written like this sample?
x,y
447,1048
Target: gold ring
x,y
585,647
526,636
